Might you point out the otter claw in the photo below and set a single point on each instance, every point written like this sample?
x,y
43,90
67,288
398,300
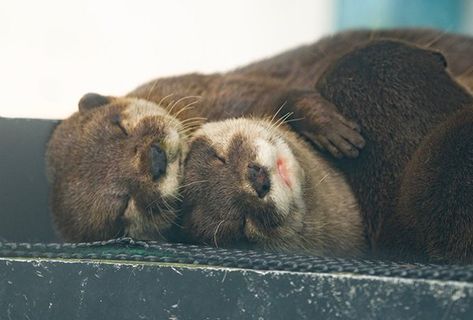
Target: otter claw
x,y
325,127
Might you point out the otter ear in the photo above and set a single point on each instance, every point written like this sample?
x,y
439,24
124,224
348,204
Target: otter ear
x,y
92,100
440,58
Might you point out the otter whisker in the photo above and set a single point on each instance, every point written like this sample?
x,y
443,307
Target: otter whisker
x,y
178,197
155,202
294,120
164,98
189,130
166,204
168,216
277,111
193,118
179,100
273,126
190,127
192,183
322,180
185,132
282,120
155,223
186,107
215,233
192,122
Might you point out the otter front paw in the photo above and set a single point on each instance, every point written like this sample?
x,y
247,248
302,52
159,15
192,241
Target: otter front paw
x,y
323,125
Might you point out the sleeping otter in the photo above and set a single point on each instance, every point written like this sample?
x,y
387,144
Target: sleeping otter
x,y
395,91
282,86
255,183
115,169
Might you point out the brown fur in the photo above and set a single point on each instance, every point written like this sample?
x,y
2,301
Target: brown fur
x,y
435,211
397,93
221,207
99,170
259,89
288,80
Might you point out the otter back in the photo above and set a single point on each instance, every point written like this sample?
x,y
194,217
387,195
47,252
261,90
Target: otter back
x,y
397,93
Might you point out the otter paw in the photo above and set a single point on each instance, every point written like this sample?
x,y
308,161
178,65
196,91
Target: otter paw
x,y
324,126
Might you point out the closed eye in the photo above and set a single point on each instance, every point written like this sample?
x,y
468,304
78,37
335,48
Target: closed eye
x,y
117,122
219,158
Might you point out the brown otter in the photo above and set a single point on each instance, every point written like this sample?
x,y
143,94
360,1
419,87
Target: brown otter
x,y
397,92
283,83
115,169
254,182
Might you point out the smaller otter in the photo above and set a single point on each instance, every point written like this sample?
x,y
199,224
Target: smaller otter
x,y
115,169
265,187
435,209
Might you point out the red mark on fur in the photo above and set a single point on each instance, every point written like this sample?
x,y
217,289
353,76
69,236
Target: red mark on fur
x,y
283,171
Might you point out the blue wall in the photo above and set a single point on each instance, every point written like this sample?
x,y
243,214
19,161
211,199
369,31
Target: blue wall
x,y
449,15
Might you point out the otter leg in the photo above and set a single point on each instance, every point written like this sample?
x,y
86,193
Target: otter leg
x,y
319,121
436,198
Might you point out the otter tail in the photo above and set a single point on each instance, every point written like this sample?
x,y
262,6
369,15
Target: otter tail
x,y
436,195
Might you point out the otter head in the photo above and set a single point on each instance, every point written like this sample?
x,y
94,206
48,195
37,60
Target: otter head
x,y
115,169
249,178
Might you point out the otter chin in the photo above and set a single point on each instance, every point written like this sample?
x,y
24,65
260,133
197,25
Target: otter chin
x,y
255,182
115,168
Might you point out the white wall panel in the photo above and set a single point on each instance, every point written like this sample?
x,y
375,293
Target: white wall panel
x,y
53,51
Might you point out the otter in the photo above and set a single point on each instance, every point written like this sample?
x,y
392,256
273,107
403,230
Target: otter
x,y
114,169
282,86
395,91
255,183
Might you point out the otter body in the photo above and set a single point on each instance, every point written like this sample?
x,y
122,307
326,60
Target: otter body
x,y
280,86
398,94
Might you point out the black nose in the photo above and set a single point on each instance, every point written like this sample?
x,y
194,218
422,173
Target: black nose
x,y
158,161
259,179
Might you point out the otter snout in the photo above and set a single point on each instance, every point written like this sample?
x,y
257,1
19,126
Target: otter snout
x,y
158,161
259,180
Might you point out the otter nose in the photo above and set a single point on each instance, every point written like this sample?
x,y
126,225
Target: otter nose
x,y
158,161
259,180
